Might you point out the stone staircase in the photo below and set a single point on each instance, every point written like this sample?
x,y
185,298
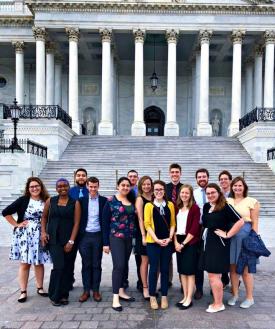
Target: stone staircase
x,y
111,157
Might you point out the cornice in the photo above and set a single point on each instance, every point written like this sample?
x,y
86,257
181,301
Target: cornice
x,y
16,21
147,7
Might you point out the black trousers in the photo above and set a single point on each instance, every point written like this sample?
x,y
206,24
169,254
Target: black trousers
x,y
90,249
121,252
60,279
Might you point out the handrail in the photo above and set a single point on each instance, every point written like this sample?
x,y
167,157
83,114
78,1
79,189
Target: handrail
x,y
256,115
26,145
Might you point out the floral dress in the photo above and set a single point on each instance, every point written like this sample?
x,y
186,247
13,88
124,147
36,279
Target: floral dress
x,y
26,245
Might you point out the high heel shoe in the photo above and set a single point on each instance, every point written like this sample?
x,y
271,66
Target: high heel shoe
x,y
43,294
145,298
22,299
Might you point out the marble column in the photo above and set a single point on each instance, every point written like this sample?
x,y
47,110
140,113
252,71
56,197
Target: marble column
x,y
237,38
249,85
171,127
197,93
258,77
138,126
73,35
58,80
40,37
19,72
50,49
105,126
204,128
269,37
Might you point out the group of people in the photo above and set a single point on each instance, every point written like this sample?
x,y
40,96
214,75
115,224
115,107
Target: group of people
x,y
205,227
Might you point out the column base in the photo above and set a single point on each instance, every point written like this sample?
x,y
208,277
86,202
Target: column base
x,y
233,129
171,129
138,128
204,129
105,128
76,127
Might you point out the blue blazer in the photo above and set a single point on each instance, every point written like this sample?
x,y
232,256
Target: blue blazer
x,y
84,203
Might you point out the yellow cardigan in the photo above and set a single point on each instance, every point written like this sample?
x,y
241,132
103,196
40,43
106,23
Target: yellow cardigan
x,y
149,222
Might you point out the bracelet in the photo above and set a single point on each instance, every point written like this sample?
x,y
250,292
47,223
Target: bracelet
x,y
183,244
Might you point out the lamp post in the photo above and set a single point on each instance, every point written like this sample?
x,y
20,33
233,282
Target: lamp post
x,y
154,77
15,114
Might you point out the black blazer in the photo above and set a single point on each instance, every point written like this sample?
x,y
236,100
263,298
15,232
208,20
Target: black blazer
x,y
84,203
169,189
18,207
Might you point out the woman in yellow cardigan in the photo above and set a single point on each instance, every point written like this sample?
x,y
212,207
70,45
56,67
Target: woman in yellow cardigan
x,y
159,222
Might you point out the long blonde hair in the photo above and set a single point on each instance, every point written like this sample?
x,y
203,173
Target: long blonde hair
x,y
191,200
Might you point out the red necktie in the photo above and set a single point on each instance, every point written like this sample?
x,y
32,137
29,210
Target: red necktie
x,y
174,194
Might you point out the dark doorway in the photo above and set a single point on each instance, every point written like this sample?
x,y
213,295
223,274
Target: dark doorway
x,y
154,120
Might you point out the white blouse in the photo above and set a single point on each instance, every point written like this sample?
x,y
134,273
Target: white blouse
x,y
182,221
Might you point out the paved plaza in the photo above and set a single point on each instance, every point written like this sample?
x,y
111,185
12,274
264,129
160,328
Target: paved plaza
x,y
38,313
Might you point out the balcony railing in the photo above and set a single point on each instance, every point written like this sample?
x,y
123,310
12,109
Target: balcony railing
x,y
256,115
40,112
26,145
271,154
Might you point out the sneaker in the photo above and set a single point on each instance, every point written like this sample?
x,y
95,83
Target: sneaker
x,y
247,303
233,300
211,309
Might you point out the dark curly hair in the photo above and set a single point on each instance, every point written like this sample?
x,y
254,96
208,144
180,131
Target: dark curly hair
x,y
44,195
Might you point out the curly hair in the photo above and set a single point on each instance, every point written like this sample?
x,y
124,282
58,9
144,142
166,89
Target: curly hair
x,y
44,195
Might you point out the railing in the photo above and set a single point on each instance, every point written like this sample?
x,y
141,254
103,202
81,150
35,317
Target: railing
x,y
271,154
256,115
40,112
26,145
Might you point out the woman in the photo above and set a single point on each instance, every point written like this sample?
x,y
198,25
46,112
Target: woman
x,y
26,235
186,241
61,216
145,191
221,222
249,209
118,223
159,222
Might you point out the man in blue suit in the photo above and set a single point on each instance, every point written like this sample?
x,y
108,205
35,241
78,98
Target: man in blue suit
x,y
90,240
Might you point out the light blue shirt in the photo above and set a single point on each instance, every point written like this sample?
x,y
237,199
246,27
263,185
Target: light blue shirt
x,y
93,224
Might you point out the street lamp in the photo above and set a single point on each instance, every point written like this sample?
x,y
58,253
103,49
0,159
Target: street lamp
x,y
15,114
154,77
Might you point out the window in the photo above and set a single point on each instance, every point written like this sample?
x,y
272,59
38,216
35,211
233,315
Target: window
x,y
3,82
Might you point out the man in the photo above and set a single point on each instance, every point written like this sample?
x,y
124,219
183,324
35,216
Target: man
x,y
225,179
202,178
79,190
172,190
90,240
133,177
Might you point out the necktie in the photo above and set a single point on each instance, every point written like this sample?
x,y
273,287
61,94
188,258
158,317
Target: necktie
x,y
203,196
174,194
80,193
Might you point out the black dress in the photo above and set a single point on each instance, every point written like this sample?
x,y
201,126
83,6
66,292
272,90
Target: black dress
x,y
215,256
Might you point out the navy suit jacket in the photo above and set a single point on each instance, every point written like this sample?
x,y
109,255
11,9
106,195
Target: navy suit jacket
x,y
84,203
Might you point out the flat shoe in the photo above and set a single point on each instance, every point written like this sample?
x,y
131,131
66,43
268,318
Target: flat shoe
x,y
117,309
184,307
42,294
215,310
64,301
131,299
22,299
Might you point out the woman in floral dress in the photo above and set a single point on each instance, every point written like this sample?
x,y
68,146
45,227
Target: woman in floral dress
x,y
26,245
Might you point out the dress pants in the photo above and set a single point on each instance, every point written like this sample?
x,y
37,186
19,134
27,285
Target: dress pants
x,y
90,249
121,252
159,260
60,279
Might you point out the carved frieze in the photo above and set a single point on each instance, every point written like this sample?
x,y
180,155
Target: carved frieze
x,y
39,33
106,34
269,36
73,33
139,35
19,46
237,36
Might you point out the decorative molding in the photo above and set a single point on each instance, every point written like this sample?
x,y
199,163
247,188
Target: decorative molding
x,y
237,36
73,33
205,36
106,35
19,46
39,33
16,21
50,47
269,36
259,50
172,35
139,35
259,2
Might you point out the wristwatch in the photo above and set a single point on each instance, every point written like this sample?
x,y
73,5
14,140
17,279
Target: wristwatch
x,y
183,244
71,241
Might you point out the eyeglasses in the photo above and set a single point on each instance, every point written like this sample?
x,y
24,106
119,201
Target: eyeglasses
x,y
34,187
159,190
211,193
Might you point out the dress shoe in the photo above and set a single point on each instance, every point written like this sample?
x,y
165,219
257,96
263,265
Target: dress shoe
x,y
64,301
41,292
117,308
198,295
97,296
23,298
178,304
84,297
55,303
185,307
211,309
130,299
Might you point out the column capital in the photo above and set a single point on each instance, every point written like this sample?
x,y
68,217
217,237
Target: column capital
x,y
73,33
249,61
205,36
139,35
259,50
50,47
19,46
39,33
106,34
269,36
237,36
172,35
